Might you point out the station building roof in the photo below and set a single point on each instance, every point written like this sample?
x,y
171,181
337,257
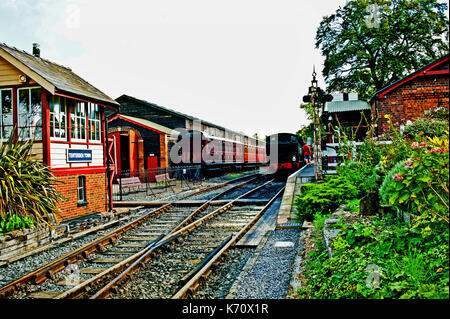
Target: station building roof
x,y
347,106
53,77
145,123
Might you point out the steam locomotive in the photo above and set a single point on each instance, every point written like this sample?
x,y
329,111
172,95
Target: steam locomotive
x,y
284,152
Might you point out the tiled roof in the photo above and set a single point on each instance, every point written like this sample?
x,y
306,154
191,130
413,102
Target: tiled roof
x,y
61,77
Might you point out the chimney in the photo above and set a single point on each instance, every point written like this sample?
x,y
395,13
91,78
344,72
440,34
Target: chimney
x,y
36,50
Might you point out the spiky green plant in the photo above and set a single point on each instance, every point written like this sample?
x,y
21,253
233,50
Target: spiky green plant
x,y
27,185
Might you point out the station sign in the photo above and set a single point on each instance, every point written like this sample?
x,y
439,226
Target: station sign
x,y
77,156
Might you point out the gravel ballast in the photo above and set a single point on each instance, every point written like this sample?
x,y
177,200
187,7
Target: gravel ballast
x,y
269,276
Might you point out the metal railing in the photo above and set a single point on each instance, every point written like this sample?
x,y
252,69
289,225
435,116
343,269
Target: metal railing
x,y
148,184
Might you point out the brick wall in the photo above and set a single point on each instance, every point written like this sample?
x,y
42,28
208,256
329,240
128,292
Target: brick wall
x,y
411,100
95,195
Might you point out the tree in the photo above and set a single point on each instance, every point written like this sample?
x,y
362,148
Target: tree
x,y
369,44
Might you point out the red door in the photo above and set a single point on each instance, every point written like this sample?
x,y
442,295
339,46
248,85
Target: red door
x,y
152,167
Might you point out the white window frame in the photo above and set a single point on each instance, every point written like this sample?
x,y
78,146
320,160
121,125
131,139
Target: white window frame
x,y
81,190
64,100
29,111
77,117
2,138
94,121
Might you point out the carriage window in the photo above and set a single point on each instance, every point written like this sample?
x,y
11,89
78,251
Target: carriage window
x,y
6,114
58,116
30,113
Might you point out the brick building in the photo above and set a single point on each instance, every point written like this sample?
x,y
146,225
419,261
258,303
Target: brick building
x,y
65,115
408,98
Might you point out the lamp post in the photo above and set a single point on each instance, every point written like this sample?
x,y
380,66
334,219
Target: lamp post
x,y
317,97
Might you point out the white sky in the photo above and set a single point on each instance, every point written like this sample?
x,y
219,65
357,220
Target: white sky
x,y
242,64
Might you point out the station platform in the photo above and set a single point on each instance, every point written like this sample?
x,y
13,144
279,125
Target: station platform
x,y
286,214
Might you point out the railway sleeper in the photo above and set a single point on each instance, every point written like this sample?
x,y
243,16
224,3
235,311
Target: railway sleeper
x,y
138,238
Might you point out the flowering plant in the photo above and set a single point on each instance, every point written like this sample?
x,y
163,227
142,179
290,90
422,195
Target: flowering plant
x,y
422,185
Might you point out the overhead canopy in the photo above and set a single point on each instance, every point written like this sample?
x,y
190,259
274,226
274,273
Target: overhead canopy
x,y
346,106
146,124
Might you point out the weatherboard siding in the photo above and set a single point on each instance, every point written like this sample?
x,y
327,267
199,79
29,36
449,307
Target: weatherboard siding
x,y
58,155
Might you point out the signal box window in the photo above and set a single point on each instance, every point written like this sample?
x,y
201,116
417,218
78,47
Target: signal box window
x,y
78,121
58,118
81,190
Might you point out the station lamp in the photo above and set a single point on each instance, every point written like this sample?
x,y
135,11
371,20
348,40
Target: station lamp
x,y
317,97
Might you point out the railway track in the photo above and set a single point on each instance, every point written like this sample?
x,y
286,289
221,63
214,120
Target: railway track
x,y
191,281
112,252
181,259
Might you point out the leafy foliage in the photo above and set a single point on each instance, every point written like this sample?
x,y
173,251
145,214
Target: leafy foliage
x,y
27,185
411,259
360,169
385,189
323,198
426,127
422,184
15,222
368,54
411,262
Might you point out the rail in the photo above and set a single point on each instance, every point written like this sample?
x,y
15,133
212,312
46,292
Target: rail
x,y
172,236
49,270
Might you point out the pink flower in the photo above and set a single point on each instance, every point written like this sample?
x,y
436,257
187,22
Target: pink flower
x,y
408,163
437,150
415,145
397,177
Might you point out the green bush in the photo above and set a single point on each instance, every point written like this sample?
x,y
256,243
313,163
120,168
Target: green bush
x,y
421,186
426,127
323,198
15,222
410,261
27,186
406,260
385,189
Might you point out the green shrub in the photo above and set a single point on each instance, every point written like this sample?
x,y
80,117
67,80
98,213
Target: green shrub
x,y
426,127
15,222
411,262
421,186
352,206
27,185
319,223
385,188
323,198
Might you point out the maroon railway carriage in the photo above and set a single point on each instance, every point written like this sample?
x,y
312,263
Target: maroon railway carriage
x,y
219,153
